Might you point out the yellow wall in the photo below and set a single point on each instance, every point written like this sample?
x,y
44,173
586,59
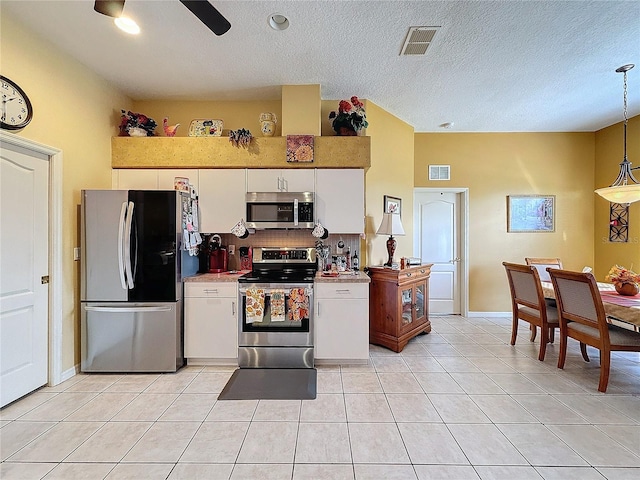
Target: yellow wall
x,y
235,114
609,153
74,111
494,165
301,110
391,173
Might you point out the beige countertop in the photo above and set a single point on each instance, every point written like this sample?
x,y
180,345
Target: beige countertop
x,y
216,277
351,277
348,277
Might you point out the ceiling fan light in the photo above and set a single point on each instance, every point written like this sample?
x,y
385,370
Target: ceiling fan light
x,y
278,21
128,25
621,193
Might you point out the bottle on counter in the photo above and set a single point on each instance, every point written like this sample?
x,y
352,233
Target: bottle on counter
x,y
347,255
355,262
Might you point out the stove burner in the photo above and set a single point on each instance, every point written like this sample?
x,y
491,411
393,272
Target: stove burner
x,y
274,276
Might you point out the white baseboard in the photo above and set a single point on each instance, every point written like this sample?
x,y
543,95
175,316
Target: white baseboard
x,y
71,372
490,314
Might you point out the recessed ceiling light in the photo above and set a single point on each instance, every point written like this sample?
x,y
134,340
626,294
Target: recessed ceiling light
x,y
277,21
127,25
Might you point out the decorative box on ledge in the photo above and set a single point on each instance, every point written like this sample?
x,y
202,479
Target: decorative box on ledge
x,y
218,152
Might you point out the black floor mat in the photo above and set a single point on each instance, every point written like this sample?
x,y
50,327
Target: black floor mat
x,y
271,384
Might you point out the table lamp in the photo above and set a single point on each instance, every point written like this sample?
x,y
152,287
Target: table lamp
x,y
391,225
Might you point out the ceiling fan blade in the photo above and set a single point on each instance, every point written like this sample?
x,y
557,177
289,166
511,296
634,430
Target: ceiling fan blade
x,y
110,8
208,15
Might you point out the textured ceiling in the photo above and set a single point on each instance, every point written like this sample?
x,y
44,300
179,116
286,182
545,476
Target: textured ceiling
x,y
505,66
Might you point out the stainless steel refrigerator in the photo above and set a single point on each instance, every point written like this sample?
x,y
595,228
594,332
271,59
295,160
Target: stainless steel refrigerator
x,y
133,262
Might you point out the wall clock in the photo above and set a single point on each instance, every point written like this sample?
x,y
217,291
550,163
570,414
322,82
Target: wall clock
x,y
16,110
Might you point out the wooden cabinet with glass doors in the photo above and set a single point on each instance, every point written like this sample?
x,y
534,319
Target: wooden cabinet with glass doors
x,y
398,305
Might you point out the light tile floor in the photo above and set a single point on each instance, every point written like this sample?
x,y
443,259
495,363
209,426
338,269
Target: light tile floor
x,y
459,403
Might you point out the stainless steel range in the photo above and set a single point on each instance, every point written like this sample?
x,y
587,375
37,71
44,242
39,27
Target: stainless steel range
x,y
276,309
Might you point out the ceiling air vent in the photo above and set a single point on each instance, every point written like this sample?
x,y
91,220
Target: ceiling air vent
x,y
439,172
418,40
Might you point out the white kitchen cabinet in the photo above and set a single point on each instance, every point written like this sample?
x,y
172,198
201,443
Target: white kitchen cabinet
x,y
341,322
166,178
339,201
280,180
222,199
211,322
150,178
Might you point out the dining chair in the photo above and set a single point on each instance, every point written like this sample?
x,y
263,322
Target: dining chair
x,y
528,304
542,264
582,317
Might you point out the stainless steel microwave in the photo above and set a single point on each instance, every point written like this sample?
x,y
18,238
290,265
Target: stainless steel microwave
x,y
279,210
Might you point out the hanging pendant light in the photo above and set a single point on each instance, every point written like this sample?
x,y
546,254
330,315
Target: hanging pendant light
x,y
626,188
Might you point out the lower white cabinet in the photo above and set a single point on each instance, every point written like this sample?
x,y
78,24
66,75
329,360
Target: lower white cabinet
x,y
342,321
211,321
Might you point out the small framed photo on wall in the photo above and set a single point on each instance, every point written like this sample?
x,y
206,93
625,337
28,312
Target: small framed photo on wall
x,y
392,205
531,213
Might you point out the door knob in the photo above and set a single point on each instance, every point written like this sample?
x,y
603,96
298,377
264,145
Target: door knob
x,y
455,260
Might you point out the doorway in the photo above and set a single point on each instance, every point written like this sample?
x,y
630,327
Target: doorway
x,y
441,238
40,167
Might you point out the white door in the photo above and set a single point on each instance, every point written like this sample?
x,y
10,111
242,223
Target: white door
x,y
24,240
438,242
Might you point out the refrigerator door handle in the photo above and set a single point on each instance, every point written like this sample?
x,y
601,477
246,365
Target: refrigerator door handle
x,y
123,212
128,309
127,246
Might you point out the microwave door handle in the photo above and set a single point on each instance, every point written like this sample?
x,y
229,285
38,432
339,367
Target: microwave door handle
x,y
127,246
295,212
123,212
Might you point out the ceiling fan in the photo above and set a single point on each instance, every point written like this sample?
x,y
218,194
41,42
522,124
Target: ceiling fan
x,y
202,9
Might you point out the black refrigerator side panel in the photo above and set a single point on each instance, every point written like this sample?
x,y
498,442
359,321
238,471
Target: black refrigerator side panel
x,y
154,245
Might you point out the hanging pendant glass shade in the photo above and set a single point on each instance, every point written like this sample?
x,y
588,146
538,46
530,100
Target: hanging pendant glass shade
x,y
625,188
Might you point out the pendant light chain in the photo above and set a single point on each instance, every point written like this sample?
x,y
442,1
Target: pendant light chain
x,y
626,119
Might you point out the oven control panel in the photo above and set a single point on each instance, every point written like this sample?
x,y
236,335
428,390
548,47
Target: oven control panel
x,y
284,255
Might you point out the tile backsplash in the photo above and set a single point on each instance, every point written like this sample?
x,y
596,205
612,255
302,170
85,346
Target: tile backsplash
x,y
287,238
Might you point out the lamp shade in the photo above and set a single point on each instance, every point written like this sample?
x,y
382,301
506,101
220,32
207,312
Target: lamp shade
x,y
621,194
390,225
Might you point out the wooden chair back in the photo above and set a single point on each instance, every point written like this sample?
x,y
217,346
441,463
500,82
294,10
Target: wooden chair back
x,y
528,304
579,301
541,264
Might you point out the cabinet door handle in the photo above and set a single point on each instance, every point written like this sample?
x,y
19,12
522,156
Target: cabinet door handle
x,y
409,274
207,290
422,271
343,291
318,310
233,308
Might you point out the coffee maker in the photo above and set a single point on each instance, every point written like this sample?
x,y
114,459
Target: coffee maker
x,y
218,256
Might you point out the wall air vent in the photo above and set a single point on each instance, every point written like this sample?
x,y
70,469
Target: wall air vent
x,y
418,40
439,172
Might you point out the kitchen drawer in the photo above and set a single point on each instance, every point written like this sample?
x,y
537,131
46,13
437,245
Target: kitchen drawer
x,y
211,290
342,290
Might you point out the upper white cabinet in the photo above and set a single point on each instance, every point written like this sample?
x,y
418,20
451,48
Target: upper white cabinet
x,y
280,180
222,199
340,199
150,178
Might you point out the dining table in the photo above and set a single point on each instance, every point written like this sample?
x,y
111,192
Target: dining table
x,y
621,310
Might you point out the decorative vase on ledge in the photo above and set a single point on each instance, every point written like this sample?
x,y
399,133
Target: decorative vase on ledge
x,y
346,132
627,288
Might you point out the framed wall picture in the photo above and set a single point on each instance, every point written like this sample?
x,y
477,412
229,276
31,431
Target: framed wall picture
x,y
531,213
392,205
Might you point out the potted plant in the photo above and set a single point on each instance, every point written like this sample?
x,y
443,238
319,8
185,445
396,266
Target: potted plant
x,y
350,118
137,125
626,281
